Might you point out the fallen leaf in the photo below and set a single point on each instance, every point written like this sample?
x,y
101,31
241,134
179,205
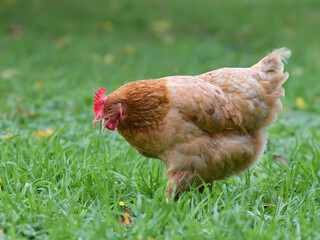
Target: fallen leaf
x,y
0,191
125,219
269,204
301,104
282,159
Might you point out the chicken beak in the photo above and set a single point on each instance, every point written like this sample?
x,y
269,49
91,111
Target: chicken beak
x,y
104,124
95,122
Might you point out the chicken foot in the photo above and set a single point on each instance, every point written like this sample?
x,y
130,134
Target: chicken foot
x,y
183,181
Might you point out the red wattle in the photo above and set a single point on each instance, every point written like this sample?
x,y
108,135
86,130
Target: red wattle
x,y
113,124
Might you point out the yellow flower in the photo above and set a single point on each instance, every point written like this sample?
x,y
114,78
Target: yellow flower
x,y
49,132
44,134
121,203
40,133
0,183
301,104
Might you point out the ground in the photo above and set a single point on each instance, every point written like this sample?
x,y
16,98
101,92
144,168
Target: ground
x,y
62,179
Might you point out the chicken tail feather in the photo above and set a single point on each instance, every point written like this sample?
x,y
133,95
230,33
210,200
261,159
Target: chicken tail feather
x,y
275,61
270,70
271,77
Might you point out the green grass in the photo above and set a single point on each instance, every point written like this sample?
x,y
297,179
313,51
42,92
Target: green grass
x,y
68,185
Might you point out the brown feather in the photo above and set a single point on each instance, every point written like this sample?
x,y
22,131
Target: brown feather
x,y
207,126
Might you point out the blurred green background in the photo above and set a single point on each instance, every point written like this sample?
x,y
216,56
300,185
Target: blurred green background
x,y
61,179
65,50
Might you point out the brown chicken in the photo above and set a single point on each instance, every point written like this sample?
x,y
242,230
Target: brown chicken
x,y
205,127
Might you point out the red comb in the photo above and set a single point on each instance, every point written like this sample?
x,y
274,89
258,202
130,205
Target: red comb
x,y
99,100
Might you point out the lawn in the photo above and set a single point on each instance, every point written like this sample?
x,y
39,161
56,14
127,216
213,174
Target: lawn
x,y
62,179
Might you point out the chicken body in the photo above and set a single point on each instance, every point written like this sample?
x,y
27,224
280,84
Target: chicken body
x,y
207,126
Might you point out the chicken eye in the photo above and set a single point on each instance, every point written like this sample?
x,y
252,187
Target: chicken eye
x,y
109,109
